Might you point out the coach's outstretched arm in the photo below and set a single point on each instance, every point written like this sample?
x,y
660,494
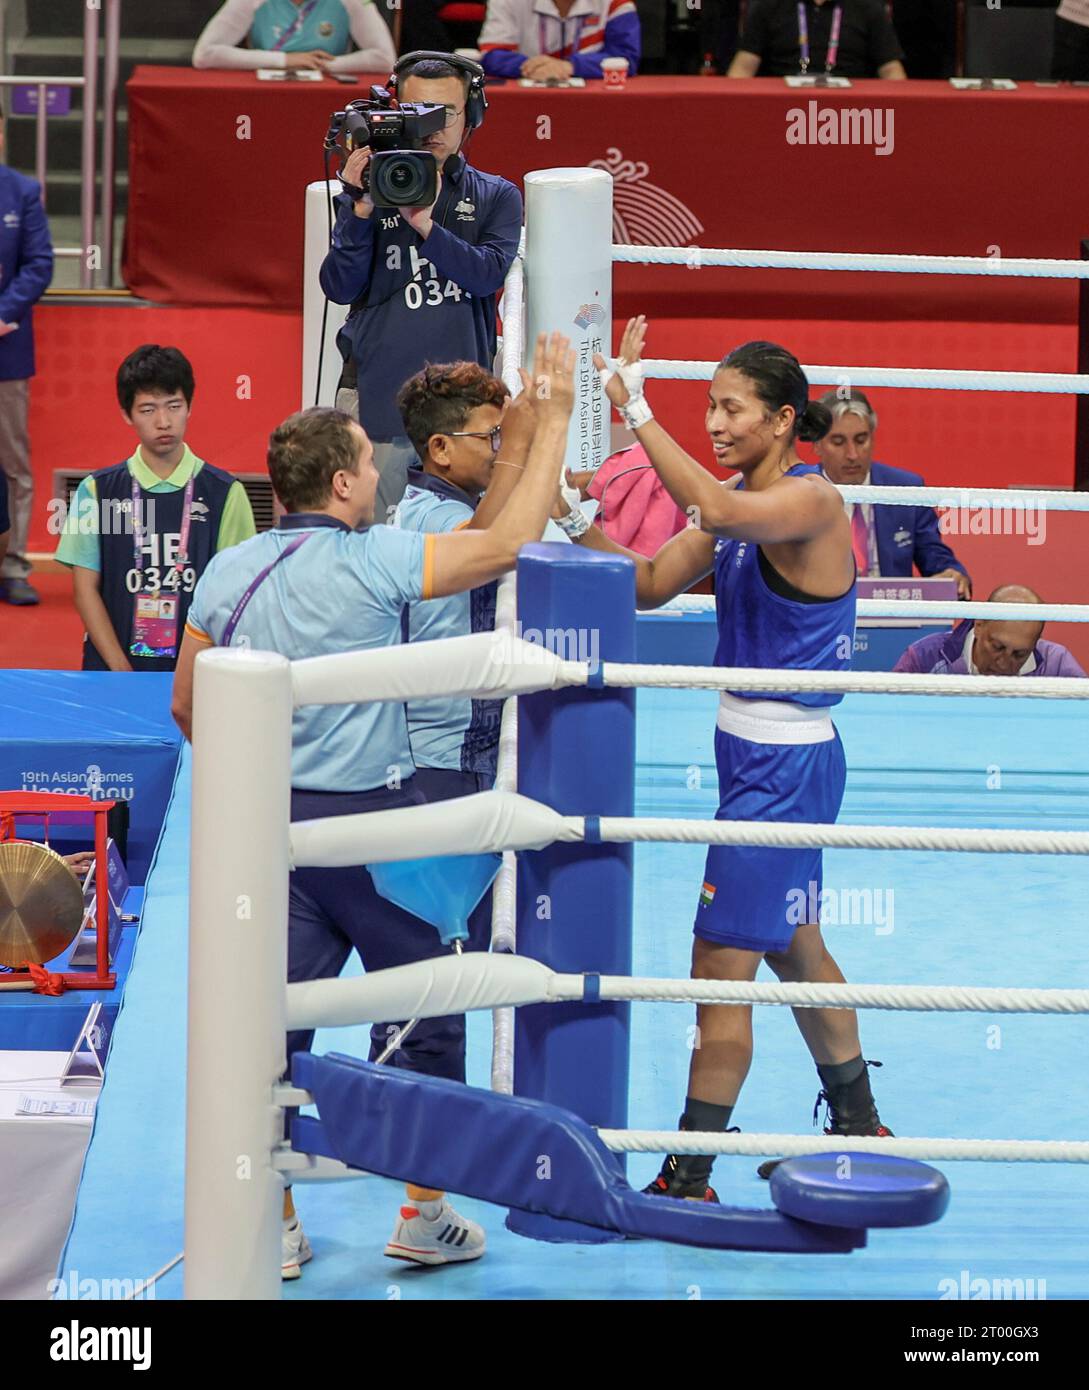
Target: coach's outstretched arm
x,y
466,559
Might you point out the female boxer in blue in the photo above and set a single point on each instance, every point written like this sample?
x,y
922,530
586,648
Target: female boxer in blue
x,y
779,544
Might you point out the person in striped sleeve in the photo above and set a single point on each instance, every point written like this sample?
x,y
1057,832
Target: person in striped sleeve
x,y
557,39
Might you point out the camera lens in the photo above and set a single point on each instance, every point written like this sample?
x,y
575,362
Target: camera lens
x,y
404,177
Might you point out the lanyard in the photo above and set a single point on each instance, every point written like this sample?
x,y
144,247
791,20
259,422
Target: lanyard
x,y
139,531
542,35
305,11
803,38
255,584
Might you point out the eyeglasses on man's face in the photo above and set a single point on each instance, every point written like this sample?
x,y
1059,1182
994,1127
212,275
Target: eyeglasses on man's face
x,y
452,113
491,435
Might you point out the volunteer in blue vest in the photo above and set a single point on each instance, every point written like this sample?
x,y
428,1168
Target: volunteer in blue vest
x,y
422,282
140,533
316,34
26,268
271,594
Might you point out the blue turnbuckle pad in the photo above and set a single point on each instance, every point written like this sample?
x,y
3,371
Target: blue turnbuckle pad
x,y
859,1189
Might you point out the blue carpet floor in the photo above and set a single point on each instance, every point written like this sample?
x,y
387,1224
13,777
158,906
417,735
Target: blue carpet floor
x,y
938,918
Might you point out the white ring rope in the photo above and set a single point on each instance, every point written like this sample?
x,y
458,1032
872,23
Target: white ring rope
x,y
913,998
799,835
659,1141
493,665
1012,500
910,378
849,682
494,822
460,984
697,257
922,608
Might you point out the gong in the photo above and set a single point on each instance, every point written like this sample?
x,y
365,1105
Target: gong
x,y
41,903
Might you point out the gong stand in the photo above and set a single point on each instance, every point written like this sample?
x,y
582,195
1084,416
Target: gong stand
x,y
46,892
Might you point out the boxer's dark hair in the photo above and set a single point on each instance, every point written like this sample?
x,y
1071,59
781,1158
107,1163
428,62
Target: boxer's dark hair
x,y
440,399
778,379
304,453
164,370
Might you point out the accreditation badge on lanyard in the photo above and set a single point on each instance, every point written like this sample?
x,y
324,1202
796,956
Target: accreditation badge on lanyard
x,y
155,612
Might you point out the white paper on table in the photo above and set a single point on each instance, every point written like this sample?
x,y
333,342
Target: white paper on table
x,y
816,81
288,75
56,1105
974,84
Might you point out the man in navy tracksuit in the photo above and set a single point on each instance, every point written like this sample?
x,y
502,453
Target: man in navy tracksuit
x,y
422,282
887,540
26,268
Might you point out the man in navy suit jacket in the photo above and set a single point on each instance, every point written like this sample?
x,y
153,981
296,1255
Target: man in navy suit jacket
x,y
889,539
26,268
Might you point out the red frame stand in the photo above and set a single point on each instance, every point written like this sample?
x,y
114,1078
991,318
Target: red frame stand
x,y
44,804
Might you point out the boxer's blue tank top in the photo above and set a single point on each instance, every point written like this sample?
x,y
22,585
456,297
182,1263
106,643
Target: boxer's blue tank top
x,y
763,628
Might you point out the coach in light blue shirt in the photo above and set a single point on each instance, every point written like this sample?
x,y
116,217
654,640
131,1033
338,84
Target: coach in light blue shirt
x,y
318,585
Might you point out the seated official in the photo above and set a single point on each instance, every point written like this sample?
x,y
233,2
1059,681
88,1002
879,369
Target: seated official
x,y
297,34
887,540
634,508
992,647
844,38
557,39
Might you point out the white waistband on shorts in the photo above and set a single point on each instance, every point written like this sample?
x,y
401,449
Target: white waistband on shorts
x,y
773,721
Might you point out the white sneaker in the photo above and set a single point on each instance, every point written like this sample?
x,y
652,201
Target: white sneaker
x,y
447,1239
295,1249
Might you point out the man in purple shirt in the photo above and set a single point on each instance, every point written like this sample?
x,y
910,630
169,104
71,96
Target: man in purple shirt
x,y
992,648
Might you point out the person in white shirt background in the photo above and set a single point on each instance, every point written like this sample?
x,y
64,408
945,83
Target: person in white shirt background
x,y
297,34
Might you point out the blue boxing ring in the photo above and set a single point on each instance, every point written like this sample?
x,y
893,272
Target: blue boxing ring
x,y
129,1226
443,1134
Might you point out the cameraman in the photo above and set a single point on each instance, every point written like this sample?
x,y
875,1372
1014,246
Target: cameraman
x,y
422,282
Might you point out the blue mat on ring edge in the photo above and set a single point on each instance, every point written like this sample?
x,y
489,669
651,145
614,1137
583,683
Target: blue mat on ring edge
x,y
933,918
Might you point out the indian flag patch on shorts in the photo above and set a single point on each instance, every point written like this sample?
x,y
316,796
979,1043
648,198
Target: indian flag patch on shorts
x,y
707,895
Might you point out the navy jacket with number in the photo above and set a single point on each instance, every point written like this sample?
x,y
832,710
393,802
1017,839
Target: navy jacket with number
x,y
413,301
26,268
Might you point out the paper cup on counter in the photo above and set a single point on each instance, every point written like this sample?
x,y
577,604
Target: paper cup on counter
x,y
614,71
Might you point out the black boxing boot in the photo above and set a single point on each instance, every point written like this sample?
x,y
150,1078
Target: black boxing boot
x,y
852,1109
686,1175
851,1106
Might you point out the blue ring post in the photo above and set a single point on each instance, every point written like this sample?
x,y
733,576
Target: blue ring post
x,y
576,753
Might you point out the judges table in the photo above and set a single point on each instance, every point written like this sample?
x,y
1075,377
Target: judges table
x,y
41,1158
218,162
